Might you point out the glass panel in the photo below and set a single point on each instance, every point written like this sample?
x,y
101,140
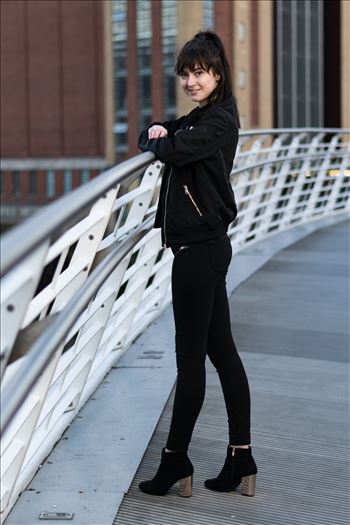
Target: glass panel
x,y
50,183
241,79
33,187
286,88
84,177
208,14
145,119
169,30
301,64
67,181
145,91
119,20
16,183
241,32
120,93
119,32
121,131
305,98
144,43
314,64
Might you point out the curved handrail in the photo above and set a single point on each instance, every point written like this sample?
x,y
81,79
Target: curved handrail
x,y
279,160
41,352
283,179
292,131
16,243
46,345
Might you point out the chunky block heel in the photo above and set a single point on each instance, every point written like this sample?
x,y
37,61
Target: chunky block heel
x,y
186,487
174,467
248,485
239,468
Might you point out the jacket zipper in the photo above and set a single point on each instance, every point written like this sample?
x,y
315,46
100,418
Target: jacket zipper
x,y
165,204
222,159
187,191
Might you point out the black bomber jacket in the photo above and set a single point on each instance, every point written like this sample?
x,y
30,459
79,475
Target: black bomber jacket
x,y
196,200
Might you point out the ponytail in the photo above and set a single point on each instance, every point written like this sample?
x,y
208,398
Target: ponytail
x,y
225,82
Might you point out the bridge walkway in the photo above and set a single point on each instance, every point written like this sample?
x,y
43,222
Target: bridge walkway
x,y
290,322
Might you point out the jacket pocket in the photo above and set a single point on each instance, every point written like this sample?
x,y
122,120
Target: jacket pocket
x,y
210,217
194,204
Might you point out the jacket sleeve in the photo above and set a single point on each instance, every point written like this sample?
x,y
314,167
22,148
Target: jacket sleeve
x,y
191,145
171,126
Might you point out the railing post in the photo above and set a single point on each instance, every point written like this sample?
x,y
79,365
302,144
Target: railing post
x,y
339,182
133,288
320,178
16,443
17,290
87,247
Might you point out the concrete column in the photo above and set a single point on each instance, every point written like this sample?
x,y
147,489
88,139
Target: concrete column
x,y
224,26
242,60
255,64
189,14
157,62
108,82
132,81
265,61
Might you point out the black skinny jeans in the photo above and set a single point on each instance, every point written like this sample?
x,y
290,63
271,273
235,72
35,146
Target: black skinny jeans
x,y
202,325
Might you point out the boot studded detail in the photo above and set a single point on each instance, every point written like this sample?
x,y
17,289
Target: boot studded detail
x,y
174,467
239,468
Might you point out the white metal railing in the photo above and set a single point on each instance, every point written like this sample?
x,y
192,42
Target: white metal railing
x,y
86,274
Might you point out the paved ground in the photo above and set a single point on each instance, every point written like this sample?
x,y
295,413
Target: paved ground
x,y
290,322
291,328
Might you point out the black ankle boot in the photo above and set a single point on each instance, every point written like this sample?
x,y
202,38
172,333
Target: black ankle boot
x,y
237,468
174,466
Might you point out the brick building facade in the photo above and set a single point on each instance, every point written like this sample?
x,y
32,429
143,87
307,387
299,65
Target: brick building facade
x,y
81,78
54,127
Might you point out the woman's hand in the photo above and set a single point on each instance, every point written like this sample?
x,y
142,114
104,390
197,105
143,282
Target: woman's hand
x,y
157,132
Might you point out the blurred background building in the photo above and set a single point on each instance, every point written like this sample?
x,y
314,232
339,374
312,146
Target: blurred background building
x,y
81,78
56,109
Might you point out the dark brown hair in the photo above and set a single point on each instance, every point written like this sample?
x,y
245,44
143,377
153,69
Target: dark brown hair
x,y
206,50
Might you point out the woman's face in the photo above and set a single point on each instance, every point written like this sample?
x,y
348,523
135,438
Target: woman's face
x,y
199,84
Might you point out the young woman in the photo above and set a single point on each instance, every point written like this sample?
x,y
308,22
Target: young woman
x,y
196,205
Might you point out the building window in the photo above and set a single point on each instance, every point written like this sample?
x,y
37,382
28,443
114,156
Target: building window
x,y
299,63
119,31
208,14
145,91
121,93
50,183
16,183
67,181
241,32
121,133
85,176
169,31
241,79
33,183
144,43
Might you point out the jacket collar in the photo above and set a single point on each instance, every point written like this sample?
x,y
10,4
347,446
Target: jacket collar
x,y
198,111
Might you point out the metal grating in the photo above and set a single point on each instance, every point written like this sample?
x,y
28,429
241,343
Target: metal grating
x,y
299,390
